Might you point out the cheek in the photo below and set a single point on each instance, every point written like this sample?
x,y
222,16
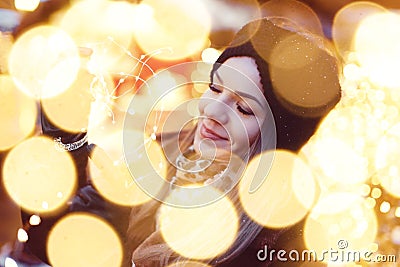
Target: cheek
x,y
253,130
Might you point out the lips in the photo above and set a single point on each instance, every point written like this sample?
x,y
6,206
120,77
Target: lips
x,y
206,132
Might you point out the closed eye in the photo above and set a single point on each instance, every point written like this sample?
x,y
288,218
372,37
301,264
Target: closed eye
x,y
244,111
214,89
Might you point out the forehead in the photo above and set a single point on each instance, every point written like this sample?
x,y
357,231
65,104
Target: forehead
x,y
240,74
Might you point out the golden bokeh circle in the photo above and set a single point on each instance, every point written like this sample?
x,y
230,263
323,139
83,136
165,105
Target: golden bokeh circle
x,y
199,232
163,28
18,114
39,176
44,61
286,194
81,239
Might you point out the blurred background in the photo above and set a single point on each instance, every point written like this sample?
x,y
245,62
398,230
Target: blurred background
x,y
13,10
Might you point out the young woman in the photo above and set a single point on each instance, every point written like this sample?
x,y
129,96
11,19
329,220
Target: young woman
x,y
269,89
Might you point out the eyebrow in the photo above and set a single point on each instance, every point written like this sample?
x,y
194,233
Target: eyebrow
x,y
242,94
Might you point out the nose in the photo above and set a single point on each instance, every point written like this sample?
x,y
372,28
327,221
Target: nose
x,y
217,110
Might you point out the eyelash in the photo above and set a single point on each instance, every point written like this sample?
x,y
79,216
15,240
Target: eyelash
x,y
212,88
240,109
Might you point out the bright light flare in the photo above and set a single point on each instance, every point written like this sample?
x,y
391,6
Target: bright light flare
x,y
147,165
376,193
22,235
365,190
83,240
18,114
104,26
10,262
236,13
397,214
110,140
165,103
29,175
346,22
378,50
167,80
210,55
164,28
6,42
385,207
201,78
26,5
199,232
340,216
70,110
44,61
395,235
352,72
386,161
286,195
342,165
370,202
155,89
103,106
113,179
35,220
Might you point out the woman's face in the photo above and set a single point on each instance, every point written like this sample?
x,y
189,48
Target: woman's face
x,y
232,110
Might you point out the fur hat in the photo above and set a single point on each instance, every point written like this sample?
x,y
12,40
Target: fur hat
x,y
299,73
